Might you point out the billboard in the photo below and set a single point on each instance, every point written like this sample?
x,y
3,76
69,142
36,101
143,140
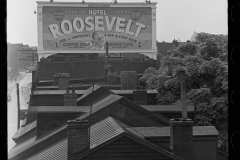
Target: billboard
x,y
69,28
76,27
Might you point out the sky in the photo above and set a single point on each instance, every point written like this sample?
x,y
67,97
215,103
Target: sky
x,y
176,19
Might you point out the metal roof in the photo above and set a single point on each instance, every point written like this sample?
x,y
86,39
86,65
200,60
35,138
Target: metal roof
x,y
20,147
99,133
167,108
55,151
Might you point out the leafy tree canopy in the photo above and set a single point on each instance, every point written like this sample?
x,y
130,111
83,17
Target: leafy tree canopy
x,y
205,63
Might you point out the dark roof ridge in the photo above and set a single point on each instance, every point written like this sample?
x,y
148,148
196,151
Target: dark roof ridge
x,y
89,91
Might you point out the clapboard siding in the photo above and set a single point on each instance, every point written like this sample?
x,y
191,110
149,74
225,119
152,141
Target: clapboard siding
x,y
126,148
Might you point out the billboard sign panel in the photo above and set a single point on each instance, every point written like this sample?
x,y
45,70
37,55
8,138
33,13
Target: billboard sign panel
x,y
88,28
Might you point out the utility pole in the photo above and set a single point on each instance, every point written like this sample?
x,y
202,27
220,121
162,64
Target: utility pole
x,y
32,58
183,94
106,67
72,67
18,105
106,57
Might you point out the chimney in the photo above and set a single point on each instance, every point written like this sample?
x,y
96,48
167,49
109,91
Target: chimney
x,y
106,66
128,80
106,70
181,130
181,138
111,68
63,81
140,97
55,78
70,99
112,78
78,137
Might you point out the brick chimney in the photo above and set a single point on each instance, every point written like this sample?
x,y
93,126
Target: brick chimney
x,y
181,130
63,80
70,99
181,138
128,80
78,137
140,97
112,78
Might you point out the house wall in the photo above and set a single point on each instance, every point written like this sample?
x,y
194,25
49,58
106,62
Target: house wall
x,y
47,100
47,122
151,98
126,149
204,147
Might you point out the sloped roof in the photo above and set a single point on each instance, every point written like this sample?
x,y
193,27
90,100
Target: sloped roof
x,y
33,144
20,147
46,109
89,91
97,106
100,133
97,89
23,130
101,104
114,99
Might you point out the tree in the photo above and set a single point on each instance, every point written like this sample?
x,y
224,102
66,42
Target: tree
x,y
206,67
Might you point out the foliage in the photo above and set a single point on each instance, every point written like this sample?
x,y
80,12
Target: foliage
x,y
205,64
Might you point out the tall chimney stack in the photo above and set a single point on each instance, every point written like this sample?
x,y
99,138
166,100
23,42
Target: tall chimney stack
x,y
128,80
70,99
181,130
78,137
63,80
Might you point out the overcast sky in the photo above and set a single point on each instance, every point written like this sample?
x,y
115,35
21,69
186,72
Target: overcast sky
x,y
176,19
